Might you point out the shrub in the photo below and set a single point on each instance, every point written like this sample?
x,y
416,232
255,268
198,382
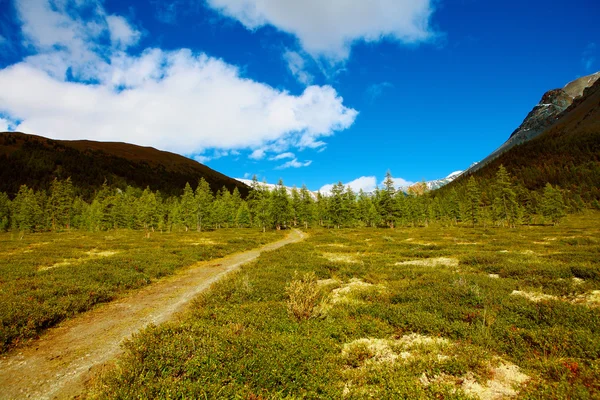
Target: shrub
x,y
303,295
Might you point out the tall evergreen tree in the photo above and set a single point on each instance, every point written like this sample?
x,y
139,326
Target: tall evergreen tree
x,y
187,208
473,201
61,203
204,199
306,210
281,209
553,205
4,212
504,198
27,212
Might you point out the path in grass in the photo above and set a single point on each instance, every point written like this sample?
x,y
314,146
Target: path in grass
x,y
58,364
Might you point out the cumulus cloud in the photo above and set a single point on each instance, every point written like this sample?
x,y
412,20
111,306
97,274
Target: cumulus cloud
x,y
282,156
366,183
4,125
294,164
329,28
174,100
297,66
400,183
122,35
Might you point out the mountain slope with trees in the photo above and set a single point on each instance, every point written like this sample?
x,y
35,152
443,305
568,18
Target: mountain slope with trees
x,y
566,155
36,161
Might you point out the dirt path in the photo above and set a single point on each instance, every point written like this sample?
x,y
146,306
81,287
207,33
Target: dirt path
x,y
58,364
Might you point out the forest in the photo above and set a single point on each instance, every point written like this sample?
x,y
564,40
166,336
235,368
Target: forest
x,y
499,202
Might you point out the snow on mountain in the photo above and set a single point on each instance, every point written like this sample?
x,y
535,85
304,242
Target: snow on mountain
x,y
271,186
438,183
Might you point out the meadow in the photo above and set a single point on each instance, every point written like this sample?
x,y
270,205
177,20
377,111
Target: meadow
x,y
46,278
447,312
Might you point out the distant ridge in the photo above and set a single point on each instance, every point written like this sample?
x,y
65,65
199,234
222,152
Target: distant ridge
x,y
566,154
36,161
544,115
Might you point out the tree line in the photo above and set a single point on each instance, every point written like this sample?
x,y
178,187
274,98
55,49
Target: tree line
x,y
499,203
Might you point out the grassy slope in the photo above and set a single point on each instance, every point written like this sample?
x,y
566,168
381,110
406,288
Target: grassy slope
x,y
36,161
239,341
48,277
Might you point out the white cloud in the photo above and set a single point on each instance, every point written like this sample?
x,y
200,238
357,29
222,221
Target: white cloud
x,y
282,156
329,28
122,35
202,159
400,183
295,164
297,66
4,125
172,100
257,154
366,183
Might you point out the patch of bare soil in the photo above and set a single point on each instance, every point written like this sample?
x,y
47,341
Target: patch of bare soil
x,y
63,359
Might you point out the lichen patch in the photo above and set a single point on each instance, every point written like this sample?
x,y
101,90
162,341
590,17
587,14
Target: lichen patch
x,y
536,297
341,257
432,262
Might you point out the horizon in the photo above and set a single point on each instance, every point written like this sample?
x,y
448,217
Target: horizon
x,y
281,92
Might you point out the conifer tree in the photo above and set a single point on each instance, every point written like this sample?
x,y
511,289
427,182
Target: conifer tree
x,y
306,210
243,215
4,212
321,207
553,205
204,199
387,205
504,198
27,213
281,209
473,201
335,210
296,203
187,208
61,203
263,208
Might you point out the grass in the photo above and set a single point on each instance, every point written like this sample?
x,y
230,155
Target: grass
x,y
46,278
404,329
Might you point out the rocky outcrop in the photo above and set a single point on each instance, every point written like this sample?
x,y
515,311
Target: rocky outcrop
x,y
550,109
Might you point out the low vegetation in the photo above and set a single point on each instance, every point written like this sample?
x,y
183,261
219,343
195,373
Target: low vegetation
x,y
435,312
48,277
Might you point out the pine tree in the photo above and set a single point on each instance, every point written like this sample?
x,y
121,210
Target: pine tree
x,y
243,215
61,203
187,208
204,199
296,203
335,211
281,209
387,205
553,205
473,201
263,208
306,210
4,212
27,213
504,198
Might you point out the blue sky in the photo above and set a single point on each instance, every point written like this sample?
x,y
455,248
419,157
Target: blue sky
x,y
311,92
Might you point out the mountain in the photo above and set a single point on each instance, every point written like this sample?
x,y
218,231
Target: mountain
x,y
566,154
36,161
544,115
438,183
271,186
